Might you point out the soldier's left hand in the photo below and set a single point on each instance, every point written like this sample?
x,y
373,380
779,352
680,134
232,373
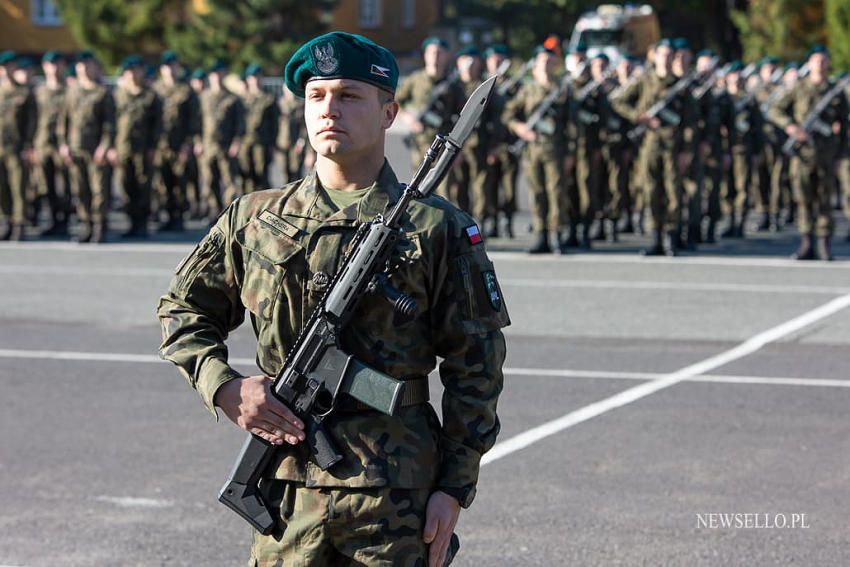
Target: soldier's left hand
x,y
836,127
683,160
233,150
441,515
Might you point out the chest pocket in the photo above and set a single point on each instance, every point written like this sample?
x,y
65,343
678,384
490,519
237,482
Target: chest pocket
x,y
269,266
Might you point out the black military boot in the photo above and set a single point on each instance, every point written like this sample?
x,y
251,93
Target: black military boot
x,y
775,223
542,244
509,225
6,232
98,233
739,229
572,234
585,235
668,243
17,233
805,251
729,231
656,248
610,230
597,230
764,222
639,222
711,232
562,243
85,232
822,248
493,227
57,228
173,224
694,237
625,225
138,229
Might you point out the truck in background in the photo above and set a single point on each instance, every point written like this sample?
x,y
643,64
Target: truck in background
x,y
617,30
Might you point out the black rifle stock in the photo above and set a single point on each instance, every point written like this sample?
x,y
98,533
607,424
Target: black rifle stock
x,y
317,371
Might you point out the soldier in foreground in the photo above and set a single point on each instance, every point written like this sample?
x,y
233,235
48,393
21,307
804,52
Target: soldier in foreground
x,y
817,150
403,479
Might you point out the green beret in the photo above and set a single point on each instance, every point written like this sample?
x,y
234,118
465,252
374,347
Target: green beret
x,y
680,43
52,56
24,62
497,49
543,49
340,55
734,67
7,57
791,65
768,61
664,42
469,50
168,57
252,69
602,56
199,74
578,48
70,71
434,40
85,55
817,48
706,53
218,65
130,61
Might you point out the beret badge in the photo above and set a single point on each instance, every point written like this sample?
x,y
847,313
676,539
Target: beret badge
x,y
325,57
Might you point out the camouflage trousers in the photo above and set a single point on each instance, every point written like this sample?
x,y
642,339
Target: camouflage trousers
x,y
134,178
591,177
736,196
290,161
319,527
763,189
544,173
91,185
170,182
13,183
813,180
254,165
47,166
218,169
661,183
503,174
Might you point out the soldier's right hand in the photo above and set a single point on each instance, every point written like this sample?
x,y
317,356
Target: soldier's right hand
x,y
65,152
199,149
522,130
249,403
797,133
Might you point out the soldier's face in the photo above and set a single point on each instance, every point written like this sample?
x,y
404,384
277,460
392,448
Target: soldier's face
x,y
766,71
22,76
544,67
818,66
682,61
597,68
468,67
663,60
733,81
347,119
436,58
494,61
790,77
703,63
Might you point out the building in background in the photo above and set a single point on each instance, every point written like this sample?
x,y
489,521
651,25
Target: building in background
x,y
31,27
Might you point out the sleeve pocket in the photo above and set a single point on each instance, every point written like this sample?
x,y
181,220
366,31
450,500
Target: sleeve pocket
x,y
482,303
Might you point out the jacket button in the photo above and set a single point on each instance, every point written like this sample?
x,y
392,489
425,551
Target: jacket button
x,y
320,281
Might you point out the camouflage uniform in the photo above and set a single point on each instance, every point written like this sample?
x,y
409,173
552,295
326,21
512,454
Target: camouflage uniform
x,y
137,131
48,163
88,121
180,125
660,147
544,158
813,168
503,173
471,172
413,94
767,190
222,123
17,128
261,121
591,162
263,255
291,128
742,120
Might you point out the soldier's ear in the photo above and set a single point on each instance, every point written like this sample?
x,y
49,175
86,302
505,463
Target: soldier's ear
x,y
390,111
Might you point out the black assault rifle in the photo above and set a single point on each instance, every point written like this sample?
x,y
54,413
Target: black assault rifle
x,y
535,121
508,85
813,123
427,115
317,371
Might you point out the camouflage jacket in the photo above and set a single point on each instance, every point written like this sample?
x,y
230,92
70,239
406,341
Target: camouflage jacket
x,y
291,124
50,103
794,106
222,117
641,95
88,119
181,115
556,129
261,119
137,122
264,255
18,115
413,94
742,122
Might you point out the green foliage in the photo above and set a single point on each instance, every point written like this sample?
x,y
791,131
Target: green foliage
x,y
783,28
262,31
837,15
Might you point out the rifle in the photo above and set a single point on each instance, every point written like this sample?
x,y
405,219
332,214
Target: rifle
x,y
426,114
508,85
534,121
813,123
660,108
317,371
777,92
709,83
744,102
585,116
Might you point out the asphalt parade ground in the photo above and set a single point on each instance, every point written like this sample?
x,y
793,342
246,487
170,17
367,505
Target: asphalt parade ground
x,y
688,411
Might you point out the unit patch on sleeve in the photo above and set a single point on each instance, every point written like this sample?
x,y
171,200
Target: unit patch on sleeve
x,y
473,234
492,288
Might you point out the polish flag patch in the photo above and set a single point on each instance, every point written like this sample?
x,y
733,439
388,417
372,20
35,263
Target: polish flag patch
x,y
380,71
474,234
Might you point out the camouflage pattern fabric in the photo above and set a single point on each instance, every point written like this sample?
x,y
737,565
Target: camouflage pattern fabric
x,y
261,122
223,122
17,127
272,253
47,160
137,132
180,125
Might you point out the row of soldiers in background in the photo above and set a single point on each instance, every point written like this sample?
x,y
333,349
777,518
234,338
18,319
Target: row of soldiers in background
x,y
689,144
180,145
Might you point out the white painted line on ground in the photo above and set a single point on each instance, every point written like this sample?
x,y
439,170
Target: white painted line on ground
x,y
606,258
133,502
543,372
84,271
672,286
99,248
630,395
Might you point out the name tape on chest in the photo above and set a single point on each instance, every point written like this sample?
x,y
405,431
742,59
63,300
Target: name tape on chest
x,y
278,223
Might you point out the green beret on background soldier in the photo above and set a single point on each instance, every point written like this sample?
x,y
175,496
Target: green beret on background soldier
x,y
399,488
18,116
817,152
138,127
261,122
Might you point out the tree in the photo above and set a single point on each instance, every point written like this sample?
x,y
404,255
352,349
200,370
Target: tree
x,y
837,14
785,29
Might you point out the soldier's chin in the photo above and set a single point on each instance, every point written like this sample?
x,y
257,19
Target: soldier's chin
x,y
329,148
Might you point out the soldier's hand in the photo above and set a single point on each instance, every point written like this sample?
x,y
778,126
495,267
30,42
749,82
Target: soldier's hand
x,y
683,160
233,150
28,156
65,152
441,515
185,151
199,149
100,155
249,403
112,156
797,133
569,163
149,156
522,130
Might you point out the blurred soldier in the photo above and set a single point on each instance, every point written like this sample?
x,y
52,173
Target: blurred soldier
x,y
137,131
180,125
503,165
712,102
813,167
742,122
197,81
293,154
576,197
86,129
781,168
222,128
765,192
844,176
18,115
629,69
50,98
547,151
665,146
261,121
470,170
430,98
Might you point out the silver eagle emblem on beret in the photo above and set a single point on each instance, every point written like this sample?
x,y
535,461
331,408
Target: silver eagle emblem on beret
x,y
325,58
